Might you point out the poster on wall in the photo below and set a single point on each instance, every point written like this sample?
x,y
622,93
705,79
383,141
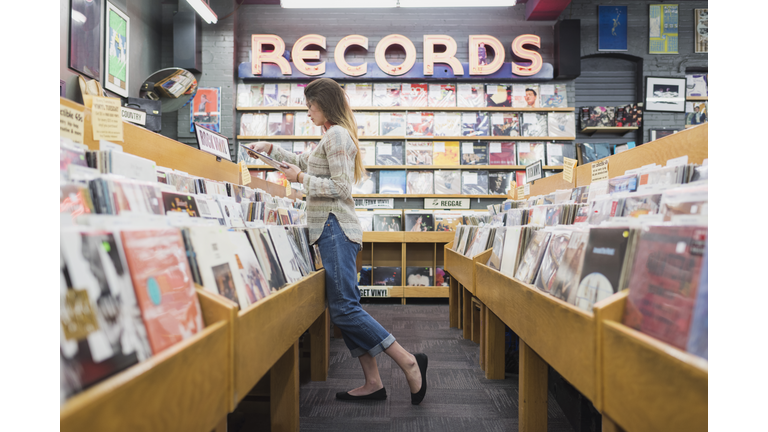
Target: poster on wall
x,y
695,113
663,31
85,37
612,28
205,109
701,18
665,94
116,51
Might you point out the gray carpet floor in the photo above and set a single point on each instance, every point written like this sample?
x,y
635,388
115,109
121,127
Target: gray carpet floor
x,y
459,397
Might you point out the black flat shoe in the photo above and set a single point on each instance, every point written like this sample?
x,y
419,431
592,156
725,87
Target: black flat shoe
x,y
422,361
377,395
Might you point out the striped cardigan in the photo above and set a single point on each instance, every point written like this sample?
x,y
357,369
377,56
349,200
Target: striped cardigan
x,y
329,174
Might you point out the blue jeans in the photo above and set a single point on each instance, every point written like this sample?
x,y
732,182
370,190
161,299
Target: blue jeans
x,y
362,334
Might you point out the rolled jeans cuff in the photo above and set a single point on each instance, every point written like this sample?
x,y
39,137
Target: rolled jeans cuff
x,y
389,340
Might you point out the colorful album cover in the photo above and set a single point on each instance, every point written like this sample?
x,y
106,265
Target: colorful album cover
x,y
419,220
520,178
178,202
502,153
420,182
215,257
303,125
233,213
280,124
568,273
418,276
498,95
267,257
205,109
602,267
392,182
448,182
277,95
366,221
474,182
445,153
625,183
390,153
698,336
360,95
600,116
392,124
556,152
297,95
447,124
420,124
664,282
558,243
418,153
386,94
414,95
554,96
561,124
442,95
387,220
530,152
250,95
695,113
474,153
475,124
248,267
387,276
368,153
505,124
696,85
253,124
289,262
637,205
367,123
525,96
498,182
441,277
447,220
470,95
534,125
593,152
534,253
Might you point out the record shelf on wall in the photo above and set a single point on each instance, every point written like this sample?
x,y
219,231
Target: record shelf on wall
x,y
697,98
613,129
409,138
435,167
419,109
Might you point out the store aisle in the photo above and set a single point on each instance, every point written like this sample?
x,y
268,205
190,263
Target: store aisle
x,y
459,397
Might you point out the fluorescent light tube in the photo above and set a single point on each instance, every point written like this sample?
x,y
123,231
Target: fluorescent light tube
x,y
456,3
330,4
205,11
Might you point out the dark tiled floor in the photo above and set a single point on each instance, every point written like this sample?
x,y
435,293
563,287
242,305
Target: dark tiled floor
x,y
459,397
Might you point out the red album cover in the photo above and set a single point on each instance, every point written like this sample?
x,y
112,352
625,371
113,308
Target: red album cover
x,y
502,153
163,283
420,124
414,95
520,178
664,282
442,95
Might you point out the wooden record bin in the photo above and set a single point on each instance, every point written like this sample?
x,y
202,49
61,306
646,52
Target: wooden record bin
x,y
192,385
462,270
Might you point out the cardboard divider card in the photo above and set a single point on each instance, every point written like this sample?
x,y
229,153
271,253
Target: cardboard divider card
x,y
682,160
106,119
527,189
494,147
520,192
467,148
106,145
438,147
246,173
600,170
569,171
71,123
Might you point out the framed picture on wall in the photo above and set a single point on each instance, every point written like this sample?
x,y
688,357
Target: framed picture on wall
x,y
612,28
661,133
116,49
665,94
663,35
205,109
85,37
701,20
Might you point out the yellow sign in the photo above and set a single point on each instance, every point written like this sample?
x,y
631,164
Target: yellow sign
x,y
245,172
71,123
287,188
520,192
600,170
569,172
106,118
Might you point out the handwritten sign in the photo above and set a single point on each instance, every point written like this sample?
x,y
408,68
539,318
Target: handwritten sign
x,y
520,192
287,188
71,123
211,142
600,170
106,118
569,171
246,173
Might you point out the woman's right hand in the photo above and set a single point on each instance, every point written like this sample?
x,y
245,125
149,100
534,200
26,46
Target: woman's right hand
x,y
261,146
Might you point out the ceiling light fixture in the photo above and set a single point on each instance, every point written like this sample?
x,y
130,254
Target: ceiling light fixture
x,y
204,10
455,3
349,4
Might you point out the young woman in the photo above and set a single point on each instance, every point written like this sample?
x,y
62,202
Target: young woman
x,y
328,174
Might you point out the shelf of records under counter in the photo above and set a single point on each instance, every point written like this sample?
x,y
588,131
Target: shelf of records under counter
x,y
697,98
563,335
400,108
463,268
649,384
268,328
498,196
186,387
434,167
409,138
612,130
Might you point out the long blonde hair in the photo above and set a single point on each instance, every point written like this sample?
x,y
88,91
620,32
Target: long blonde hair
x,y
329,97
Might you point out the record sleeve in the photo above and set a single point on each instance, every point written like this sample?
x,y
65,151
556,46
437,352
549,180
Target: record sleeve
x,y
178,202
248,267
386,94
474,153
569,272
502,153
520,178
474,182
297,94
216,263
392,124
530,152
414,95
280,124
518,96
553,256
470,95
267,257
625,183
664,282
698,337
418,153
360,95
446,220
277,94
447,124
442,95
368,184
695,113
250,95
368,153
289,262
233,214
420,124
253,124
602,267
390,153
420,183
367,124
511,250
387,276
304,126
554,96
419,220
561,124
392,182
494,261
556,152
300,147
498,95
696,85
387,220
364,276
532,98
441,277
366,220
529,264
448,182
418,276
498,182
474,124
505,124
445,153
593,152
534,125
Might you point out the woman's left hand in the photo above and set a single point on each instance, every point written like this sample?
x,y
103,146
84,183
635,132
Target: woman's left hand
x,y
292,172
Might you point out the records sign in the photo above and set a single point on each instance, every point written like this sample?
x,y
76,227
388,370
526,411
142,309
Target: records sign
x,y
533,171
446,203
375,203
211,142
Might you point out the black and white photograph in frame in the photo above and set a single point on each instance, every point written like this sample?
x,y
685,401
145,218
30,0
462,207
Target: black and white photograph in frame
x,y
85,37
665,94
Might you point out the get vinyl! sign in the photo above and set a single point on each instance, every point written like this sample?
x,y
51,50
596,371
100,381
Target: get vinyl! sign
x,y
267,53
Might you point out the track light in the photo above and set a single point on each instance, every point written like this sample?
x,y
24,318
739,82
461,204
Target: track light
x,y
205,11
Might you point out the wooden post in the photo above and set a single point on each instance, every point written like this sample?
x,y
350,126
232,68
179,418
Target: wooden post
x,y
453,304
533,391
320,344
494,346
222,426
481,341
467,311
460,305
284,391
